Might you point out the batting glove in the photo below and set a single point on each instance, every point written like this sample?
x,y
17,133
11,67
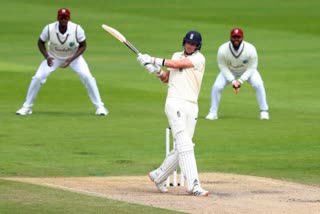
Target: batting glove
x,y
152,68
163,76
144,59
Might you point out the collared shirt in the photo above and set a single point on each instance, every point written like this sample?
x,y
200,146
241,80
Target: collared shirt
x,y
239,63
185,83
62,45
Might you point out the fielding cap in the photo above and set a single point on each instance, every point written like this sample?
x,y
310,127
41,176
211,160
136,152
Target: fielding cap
x,y
64,12
236,32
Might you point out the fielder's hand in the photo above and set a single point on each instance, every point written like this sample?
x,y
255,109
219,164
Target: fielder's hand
x,y
236,86
66,63
50,61
152,68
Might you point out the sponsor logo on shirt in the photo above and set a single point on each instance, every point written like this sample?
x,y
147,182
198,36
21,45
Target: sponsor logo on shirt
x,y
62,49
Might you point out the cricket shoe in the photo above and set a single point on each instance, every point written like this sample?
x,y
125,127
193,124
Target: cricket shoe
x,y
160,186
24,111
101,111
212,116
264,115
197,190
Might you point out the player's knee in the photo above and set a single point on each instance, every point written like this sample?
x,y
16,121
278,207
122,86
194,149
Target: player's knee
x,y
86,78
185,148
173,153
183,142
217,87
176,127
257,85
39,79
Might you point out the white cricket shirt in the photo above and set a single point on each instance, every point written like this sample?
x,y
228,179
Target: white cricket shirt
x,y
237,64
185,83
61,45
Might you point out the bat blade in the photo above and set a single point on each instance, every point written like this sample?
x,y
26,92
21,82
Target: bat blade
x,y
120,37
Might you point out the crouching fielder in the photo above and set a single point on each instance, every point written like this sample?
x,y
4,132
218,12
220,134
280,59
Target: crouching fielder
x,y
66,43
238,62
184,77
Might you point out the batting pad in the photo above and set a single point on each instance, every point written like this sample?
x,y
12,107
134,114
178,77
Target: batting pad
x,y
167,167
187,160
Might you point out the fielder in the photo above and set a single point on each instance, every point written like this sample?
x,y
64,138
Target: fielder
x,y
66,43
238,62
184,78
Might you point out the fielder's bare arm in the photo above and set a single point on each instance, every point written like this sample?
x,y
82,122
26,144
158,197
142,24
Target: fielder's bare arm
x,y
184,78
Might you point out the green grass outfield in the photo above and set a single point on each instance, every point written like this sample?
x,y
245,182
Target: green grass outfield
x,y
64,138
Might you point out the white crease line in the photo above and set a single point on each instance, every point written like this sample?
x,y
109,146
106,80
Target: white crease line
x,y
283,183
74,190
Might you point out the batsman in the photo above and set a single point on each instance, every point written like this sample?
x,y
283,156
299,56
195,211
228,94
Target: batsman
x,y
184,77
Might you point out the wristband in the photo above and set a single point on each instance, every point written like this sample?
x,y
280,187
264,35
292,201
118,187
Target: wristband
x,y
159,61
159,73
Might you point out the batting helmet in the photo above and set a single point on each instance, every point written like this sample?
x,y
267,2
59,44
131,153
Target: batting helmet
x,y
193,37
64,12
236,32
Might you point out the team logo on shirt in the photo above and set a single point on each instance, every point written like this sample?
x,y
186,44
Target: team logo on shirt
x,y
178,114
71,44
245,61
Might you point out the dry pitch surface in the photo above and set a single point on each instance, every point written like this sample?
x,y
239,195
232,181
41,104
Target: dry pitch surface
x,y
229,193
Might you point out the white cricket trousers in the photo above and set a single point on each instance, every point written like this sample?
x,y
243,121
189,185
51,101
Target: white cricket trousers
x,y
255,81
182,116
79,65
